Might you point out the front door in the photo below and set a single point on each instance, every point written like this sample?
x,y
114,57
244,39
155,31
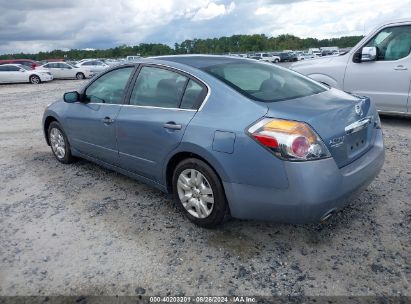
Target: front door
x,y
387,79
161,105
91,123
66,71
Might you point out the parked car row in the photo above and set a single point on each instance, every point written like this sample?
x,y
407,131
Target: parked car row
x,y
26,70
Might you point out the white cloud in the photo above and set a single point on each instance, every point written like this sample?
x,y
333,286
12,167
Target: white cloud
x,y
326,19
213,10
36,25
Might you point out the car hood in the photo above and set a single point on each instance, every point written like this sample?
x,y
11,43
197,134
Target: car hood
x,y
330,114
314,61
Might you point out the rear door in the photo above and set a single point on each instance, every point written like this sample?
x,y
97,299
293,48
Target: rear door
x,y
91,124
161,105
386,80
16,75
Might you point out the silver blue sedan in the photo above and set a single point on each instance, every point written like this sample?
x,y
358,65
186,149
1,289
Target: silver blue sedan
x,y
227,136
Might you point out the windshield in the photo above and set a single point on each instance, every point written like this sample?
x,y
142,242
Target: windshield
x,y
24,67
264,82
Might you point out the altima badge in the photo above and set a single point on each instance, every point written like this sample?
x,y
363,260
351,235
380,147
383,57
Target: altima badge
x,y
336,142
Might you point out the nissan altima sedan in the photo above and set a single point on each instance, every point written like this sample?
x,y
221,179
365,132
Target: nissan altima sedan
x,y
227,136
63,70
18,73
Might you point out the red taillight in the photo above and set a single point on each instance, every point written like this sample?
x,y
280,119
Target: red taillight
x,y
288,139
267,141
300,146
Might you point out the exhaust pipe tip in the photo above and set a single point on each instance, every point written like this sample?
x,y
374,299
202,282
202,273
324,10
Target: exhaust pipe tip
x,y
327,216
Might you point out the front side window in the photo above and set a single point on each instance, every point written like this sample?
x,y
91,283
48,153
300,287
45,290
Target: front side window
x,y
109,88
264,82
157,87
392,43
87,63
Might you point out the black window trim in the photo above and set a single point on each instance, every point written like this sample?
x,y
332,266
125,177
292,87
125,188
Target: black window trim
x,y
175,70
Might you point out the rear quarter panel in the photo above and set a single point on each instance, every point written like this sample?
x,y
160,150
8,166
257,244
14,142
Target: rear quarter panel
x,y
228,111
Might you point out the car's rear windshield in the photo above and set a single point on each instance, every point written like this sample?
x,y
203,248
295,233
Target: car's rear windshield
x,y
264,82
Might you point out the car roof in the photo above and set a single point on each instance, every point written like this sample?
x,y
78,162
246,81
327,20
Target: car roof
x,y
200,61
55,62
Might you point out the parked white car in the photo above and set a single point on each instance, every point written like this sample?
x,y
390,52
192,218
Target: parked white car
x,y
95,66
10,73
64,70
267,57
379,66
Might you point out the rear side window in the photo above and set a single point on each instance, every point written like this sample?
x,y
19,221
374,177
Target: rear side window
x,y
110,87
264,82
13,68
158,87
193,95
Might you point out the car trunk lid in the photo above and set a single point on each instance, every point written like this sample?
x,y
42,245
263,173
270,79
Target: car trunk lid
x,y
345,123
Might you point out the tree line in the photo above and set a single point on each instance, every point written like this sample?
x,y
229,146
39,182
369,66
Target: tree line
x,y
222,45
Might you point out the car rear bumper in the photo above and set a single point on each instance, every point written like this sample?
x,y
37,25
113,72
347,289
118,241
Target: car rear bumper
x,y
315,189
46,78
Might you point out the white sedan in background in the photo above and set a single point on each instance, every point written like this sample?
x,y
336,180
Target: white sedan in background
x,y
64,70
95,66
19,73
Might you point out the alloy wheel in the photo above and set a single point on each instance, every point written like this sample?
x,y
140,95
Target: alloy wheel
x,y
195,193
57,143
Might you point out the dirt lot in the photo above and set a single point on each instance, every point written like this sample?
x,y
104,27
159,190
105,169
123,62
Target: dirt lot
x,y
81,229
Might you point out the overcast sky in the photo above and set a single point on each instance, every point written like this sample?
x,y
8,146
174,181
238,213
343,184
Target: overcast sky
x,y
41,25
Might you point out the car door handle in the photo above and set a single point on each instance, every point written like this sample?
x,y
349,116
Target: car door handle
x,y
107,120
172,126
400,68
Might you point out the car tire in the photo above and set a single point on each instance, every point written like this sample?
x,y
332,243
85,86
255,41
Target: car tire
x,y
59,143
80,76
34,79
276,61
207,206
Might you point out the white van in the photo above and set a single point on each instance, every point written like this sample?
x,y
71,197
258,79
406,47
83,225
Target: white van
x,y
379,66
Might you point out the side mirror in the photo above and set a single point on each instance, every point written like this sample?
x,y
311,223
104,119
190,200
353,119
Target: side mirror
x,y
71,97
22,70
368,53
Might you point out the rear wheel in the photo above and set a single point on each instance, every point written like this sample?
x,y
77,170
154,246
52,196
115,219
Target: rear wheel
x,y
276,61
59,143
34,79
80,76
199,193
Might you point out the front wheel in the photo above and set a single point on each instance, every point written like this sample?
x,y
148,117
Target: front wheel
x,y
59,143
199,193
80,76
34,79
276,61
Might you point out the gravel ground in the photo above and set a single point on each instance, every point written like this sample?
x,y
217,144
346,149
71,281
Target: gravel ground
x,y
81,229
